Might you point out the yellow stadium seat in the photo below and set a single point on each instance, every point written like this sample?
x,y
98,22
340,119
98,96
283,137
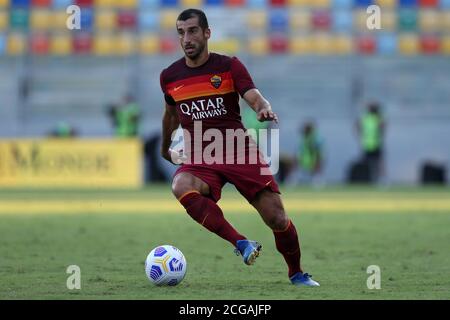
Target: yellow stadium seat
x,y
428,20
445,45
168,19
227,46
322,44
16,44
125,44
40,19
105,3
300,20
149,44
343,45
320,3
4,20
408,44
59,20
299,3
104,45
386,3
300,45
389,21
445,20
61,45
4,3
105,20
191,3
360,19
257,19
258,45
126,4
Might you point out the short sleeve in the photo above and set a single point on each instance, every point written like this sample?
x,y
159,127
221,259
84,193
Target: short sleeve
x,y
241,78
169,99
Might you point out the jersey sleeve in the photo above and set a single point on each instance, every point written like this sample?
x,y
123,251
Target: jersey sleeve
x,y
169,99
241,78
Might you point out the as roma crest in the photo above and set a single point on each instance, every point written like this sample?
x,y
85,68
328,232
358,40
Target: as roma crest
x,y
216,81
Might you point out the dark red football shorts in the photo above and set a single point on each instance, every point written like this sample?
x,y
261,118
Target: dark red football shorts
x,y
247,178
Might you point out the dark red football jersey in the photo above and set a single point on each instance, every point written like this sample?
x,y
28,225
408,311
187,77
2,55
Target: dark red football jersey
x,y
208,94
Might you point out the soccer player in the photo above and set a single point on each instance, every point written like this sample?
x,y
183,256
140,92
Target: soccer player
x,y
204,88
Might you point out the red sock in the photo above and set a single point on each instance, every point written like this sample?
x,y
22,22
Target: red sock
x,y
208,214
288,245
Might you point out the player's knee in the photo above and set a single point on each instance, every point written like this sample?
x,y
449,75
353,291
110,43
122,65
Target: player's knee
x,y
181,186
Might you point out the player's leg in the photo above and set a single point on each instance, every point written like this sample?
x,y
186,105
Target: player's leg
x,y
270,207
193,193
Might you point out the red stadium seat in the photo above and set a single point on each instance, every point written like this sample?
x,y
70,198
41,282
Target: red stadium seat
x,y
321,20
234,3
278,3
84,3
428,3
126,19
278,44
366,45
41,3
168,45
429,44
39,44
82,43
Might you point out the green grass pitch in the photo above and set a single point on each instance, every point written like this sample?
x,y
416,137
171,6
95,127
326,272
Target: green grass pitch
x,y
342,231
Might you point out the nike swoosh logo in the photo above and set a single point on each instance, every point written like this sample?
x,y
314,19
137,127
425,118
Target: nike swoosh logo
x,y
178,88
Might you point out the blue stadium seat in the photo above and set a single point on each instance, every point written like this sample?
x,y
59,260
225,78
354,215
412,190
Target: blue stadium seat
x,y
61,4
407,3
363,3
342,20
214,2
169,3
86,19
342,4
148,3
2,44
20,3
257,3
278,20
387,43
148,20
444,4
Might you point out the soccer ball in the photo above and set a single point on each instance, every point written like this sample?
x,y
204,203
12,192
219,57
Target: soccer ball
x,y
165,266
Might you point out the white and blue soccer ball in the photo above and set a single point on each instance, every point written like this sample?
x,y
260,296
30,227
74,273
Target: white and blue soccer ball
x,y
165,266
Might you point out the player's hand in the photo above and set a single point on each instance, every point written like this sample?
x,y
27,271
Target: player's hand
x,y
267,115
176,156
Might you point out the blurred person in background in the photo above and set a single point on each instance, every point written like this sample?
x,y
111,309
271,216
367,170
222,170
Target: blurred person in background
x,y
63,130
371,128
125,117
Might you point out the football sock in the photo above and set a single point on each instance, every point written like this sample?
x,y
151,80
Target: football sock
x,y
208,214
288,245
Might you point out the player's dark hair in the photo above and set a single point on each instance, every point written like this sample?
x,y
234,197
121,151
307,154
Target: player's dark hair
x,y
191,13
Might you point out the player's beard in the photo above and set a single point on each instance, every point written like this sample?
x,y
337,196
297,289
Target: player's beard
x,y
196,52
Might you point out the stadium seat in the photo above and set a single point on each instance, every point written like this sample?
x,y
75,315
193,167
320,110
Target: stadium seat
x,y
105,20
213,2
227,46
444,4
104,44
19,19
148,20
407,3
168,45
59,20
278,20
342,20
445,45
389,20
258,45
146,4
342,4
428,3
84,3
39,44
322,4
25,4
387,43
360,20
428,20
87,18
109,4
16,44
126,4
429,44
257,19
278,44
41,3
300,20
126,19
366,44
386,3
2,44
169,3
61,4
168,19
300,45
342,44
4,4
408,44
191,3
40,19
234,3
61,45
125,44
82,43
445,21
363,3
4,20
321,20
148,44
407,20
322,44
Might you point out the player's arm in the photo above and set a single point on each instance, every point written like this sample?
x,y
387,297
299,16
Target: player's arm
x,y
170,123
262,107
